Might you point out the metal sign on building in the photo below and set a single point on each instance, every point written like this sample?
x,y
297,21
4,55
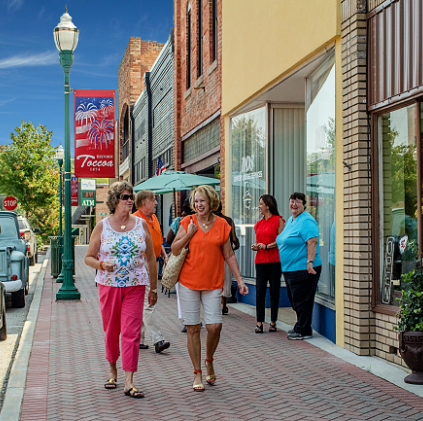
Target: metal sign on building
x,y
87,192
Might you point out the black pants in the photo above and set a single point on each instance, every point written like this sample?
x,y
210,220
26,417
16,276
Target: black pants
x,y
301,287
267,272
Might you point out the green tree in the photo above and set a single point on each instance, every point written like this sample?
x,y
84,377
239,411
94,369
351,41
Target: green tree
x,y
30,173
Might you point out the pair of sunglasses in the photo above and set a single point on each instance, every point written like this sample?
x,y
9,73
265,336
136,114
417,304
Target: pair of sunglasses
x,y
126,196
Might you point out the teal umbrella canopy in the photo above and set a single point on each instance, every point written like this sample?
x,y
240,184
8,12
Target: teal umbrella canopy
x,y
170,181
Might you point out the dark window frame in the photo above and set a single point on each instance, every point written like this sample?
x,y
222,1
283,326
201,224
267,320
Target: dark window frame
x,y
189,38
377,254
200,39
214,51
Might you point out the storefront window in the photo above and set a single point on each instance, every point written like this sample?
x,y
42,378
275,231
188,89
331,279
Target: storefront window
x,y
248,166
398,199
321,141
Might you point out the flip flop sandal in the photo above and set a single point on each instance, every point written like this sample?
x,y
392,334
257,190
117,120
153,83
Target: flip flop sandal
x,y
111,384
199,387
137,394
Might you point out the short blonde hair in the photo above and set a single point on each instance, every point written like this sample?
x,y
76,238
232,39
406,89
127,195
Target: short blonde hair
x,y
209,193
115,190
142,195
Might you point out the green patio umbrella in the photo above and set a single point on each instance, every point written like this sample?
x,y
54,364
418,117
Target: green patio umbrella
x,y
171,181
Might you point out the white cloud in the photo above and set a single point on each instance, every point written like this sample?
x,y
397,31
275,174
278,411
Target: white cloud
x,y
15,5
41,59
6,101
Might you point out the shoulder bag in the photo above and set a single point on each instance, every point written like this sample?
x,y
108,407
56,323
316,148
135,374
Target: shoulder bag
x,y
173,268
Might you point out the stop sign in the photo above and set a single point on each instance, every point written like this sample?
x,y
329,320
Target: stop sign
x,y
10,203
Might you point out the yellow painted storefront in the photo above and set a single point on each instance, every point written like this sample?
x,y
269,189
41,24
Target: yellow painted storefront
x,y
268,48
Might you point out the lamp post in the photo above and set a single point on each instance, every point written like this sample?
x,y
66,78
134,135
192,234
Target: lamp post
x,y
66,38
60,154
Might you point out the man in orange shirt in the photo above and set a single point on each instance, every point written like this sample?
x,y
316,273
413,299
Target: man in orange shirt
x,y
146,204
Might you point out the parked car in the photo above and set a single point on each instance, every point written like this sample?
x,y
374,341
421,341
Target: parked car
x,y
14,264
28,234
3,328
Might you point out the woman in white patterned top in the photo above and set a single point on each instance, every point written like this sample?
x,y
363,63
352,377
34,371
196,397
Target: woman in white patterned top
x,y
120,246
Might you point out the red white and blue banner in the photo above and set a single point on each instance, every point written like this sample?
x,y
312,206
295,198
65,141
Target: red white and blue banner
x,y
94,124
160,167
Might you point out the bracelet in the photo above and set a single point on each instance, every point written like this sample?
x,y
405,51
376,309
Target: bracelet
x,y
101,267
266,247
310,261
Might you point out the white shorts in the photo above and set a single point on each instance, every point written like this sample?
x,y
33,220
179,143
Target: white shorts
x,y
191,300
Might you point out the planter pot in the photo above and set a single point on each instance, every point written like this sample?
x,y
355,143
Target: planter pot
x,y
411,350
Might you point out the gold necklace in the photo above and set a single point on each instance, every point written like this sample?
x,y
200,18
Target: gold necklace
x,y
206,226
123,226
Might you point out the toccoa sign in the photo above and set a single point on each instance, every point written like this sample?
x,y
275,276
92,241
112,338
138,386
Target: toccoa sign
x,y
90,161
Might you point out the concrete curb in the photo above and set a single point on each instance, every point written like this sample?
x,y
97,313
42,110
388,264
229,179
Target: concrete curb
x,y
12,403
380,368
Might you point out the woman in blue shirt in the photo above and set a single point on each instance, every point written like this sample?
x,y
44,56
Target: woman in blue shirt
x,y
301,265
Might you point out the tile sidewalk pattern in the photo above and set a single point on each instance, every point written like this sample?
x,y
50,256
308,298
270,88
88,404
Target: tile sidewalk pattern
x,y
260,377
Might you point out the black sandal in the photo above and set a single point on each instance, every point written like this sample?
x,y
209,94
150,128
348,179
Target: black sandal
x,y
111,384
273,328
137,394
259,329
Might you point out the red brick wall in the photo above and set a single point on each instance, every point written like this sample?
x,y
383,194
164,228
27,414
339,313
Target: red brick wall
x,y
139,57
203,99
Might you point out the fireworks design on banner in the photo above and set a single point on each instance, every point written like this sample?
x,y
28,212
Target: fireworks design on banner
x,y
107,107
94,122
101,132
86,112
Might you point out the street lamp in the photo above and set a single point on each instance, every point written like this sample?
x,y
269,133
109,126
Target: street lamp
x,y
66,38
60,154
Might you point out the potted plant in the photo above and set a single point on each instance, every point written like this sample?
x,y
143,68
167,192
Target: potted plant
x,y
410,322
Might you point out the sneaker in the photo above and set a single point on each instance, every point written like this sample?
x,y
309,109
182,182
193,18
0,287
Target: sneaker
x,y
161,346
291,331
297,336
142,346
184,329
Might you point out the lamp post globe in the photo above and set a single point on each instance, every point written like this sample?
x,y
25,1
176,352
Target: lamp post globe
x,y
66,38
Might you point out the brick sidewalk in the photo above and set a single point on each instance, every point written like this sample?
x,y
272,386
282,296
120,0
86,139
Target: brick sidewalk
x,y
260,377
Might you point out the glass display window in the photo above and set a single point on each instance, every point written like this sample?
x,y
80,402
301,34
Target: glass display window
x,y
398,199
248,172
321,156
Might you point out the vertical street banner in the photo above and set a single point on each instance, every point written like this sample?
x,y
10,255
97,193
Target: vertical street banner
x,y
94,125
74,190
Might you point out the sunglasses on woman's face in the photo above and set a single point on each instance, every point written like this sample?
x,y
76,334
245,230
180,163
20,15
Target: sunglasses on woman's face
x,y
126,196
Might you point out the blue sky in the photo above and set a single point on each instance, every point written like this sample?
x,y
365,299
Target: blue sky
x,y
31,78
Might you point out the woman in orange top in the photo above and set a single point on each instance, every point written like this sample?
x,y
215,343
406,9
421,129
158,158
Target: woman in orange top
x,y
202,276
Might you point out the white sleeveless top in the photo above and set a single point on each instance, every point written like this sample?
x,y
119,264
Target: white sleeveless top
x,y
127,251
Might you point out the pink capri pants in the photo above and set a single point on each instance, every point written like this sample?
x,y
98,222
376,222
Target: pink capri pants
x,y
121,310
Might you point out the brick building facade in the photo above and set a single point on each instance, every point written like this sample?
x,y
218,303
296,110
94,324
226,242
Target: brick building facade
x,y
139,57
199,126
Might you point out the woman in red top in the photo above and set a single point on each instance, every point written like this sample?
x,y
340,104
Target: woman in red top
x,y
268,267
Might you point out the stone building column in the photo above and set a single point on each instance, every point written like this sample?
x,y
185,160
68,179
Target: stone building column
x,y
359,321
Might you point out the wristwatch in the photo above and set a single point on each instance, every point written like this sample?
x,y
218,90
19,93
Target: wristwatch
x,y
310,261
154,290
